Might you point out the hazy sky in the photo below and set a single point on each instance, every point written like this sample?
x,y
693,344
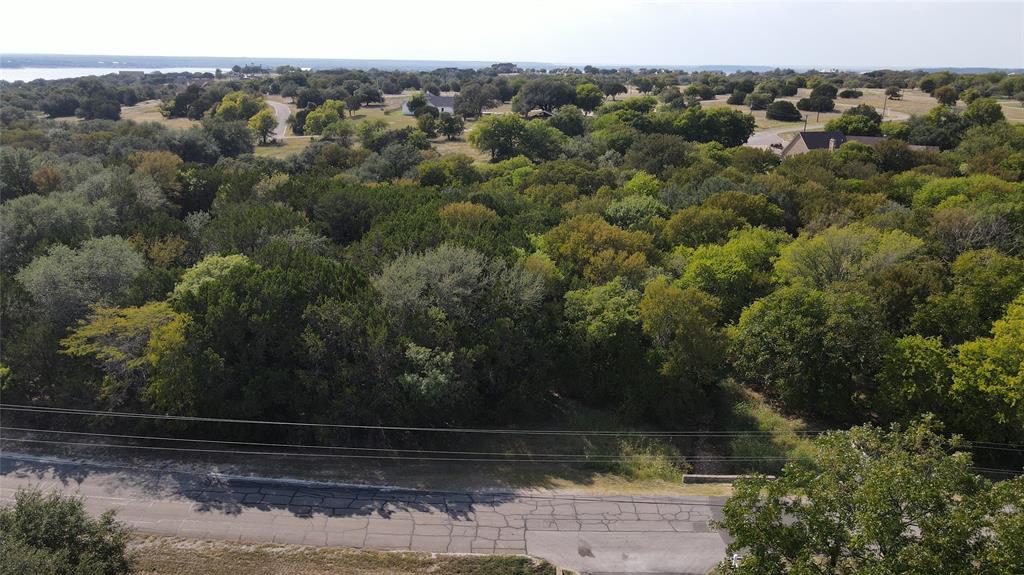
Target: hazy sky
x,y
668,32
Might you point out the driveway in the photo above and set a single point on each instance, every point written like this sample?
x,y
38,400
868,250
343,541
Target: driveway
x,y
282,112
591,534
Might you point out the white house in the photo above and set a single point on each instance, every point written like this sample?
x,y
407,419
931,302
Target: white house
x,y
442,103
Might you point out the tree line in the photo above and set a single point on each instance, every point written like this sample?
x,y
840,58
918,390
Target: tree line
x,y
632,257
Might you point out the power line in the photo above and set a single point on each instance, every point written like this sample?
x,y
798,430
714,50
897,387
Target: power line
x,y
997,446
356,456
595,457
1012,472
332,447
121,414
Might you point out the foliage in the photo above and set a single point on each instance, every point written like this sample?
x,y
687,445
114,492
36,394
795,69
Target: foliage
x,y
816,351
50,534
875,501
65,281
784,111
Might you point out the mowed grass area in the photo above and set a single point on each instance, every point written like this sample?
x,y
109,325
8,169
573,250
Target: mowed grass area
x,y
1013,110
284,148
913,103
177,556
149,111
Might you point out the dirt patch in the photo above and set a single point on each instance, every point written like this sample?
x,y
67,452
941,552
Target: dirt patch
x,y
176,556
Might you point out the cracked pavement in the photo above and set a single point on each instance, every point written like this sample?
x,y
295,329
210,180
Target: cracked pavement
x,y
592,534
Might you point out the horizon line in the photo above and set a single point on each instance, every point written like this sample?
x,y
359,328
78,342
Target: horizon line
x,y
805,67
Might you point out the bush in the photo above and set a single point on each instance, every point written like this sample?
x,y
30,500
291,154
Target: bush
x,y
759,100
851,94
736,98
816,104
52,534
783,111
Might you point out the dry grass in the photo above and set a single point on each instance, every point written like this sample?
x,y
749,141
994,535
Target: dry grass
x,y
176,556
284,148
445,148
1013,110
149,111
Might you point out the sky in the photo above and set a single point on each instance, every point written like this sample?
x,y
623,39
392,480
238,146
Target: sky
x,y
840,34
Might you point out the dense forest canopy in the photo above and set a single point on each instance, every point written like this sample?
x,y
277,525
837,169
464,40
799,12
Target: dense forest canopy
x,y
625,253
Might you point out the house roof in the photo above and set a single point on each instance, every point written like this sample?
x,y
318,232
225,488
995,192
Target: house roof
x,y
440,101
820,141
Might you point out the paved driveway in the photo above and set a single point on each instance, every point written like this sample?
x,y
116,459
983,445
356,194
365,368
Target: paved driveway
x,y
609,534
282,112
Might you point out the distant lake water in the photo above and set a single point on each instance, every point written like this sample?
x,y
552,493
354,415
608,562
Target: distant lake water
x,y
29,74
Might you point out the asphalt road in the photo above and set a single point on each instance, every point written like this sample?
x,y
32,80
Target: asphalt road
x,y
606,534
282,112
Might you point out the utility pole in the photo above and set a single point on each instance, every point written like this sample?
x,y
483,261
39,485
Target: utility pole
x,y
885,102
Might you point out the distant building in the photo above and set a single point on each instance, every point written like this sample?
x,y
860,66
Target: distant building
x,y
442,103
806,141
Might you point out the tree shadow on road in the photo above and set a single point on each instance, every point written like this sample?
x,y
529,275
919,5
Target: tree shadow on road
x,y
232,496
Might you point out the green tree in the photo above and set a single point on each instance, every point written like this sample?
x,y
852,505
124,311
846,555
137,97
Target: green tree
x,y
588,247
983,112
612,89
65,281
239,106
53,535
499,135
569,120
682,324
988,379
875,501
946,95
698,225
843,254
450,126
427,124
737,272
643,84
634,212
324,115
816,351
984,283
589,97
544,93
853,125
784,111
263,124
117,339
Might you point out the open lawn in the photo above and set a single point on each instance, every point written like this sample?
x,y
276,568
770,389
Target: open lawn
x,y
177,556
284,148
1013,110
149,111
914,103
445,148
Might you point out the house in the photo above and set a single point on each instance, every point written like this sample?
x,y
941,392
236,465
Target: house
x,y
806,141
442,103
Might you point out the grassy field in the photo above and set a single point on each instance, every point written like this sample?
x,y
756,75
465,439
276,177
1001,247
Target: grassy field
x,y
149,111
284,148
914,103
176,556
1013,110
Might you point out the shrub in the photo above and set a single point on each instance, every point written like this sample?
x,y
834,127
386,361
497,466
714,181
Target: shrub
x,y
783,111
52,534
